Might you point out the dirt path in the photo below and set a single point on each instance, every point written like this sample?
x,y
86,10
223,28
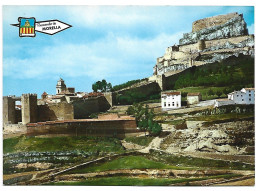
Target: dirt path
x,y
169,173
247,182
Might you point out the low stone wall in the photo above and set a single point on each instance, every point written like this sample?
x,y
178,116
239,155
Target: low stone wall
x,y
90,127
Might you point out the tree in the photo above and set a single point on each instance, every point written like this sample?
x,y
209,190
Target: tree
x,y
102,86
218,93
210,92
144,118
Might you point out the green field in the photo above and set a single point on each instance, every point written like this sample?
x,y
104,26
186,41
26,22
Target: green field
x,y
127,162
127,181
143,141
221,117
39,144
204,92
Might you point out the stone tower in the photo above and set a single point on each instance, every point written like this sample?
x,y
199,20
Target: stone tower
x,y
29,108
8,109
61,86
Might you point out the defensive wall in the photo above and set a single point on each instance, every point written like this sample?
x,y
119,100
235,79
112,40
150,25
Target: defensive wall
x,y
31,112
121,127
207,44
83,108
150,87
58,111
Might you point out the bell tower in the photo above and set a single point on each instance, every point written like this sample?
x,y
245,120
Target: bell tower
x,y
61,86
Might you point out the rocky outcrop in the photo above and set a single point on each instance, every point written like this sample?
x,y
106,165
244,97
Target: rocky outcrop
x,y
228,137
212,40
236,26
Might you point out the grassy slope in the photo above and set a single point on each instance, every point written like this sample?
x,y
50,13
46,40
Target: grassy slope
x,y
204,92
26,144
127,181
143,141
127,162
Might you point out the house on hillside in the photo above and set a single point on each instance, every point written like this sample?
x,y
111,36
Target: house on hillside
x,y
244,96
193,98
170,100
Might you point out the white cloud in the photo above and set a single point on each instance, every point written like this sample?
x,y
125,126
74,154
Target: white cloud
x,y
104,58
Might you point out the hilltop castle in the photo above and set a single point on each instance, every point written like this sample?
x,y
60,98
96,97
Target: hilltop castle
x,y
212,39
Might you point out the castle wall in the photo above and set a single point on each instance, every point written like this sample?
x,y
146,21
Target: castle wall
x,y
58,111
145,89
219,42
83,108
9,110
107,128
212,21
29,108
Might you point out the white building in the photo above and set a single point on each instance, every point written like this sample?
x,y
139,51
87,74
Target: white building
x,y
193,98
171,100
244,96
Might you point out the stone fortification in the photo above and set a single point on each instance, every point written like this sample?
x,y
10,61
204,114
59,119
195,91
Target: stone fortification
x,y
212,39
116,127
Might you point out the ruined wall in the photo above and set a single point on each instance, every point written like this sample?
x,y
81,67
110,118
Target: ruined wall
x,y
109,128
29,108
9,110
52,112
212,21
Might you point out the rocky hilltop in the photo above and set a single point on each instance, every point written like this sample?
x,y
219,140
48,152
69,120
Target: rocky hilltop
x,y
212,39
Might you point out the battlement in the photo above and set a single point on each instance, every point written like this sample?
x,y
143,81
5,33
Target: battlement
x,y
29,94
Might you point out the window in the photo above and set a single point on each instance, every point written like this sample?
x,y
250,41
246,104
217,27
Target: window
x,y
169,104
237,95
164,104
241,95
242,99
177,104
249,99
172,103
249,95
249,91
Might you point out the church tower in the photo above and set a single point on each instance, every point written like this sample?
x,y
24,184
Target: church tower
x,y
61,86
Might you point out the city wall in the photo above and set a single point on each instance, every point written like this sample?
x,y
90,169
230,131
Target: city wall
x,y
211,43
83,108
58,111
89,127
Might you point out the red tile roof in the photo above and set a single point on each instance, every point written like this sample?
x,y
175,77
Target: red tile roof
x,y
249,88
172,93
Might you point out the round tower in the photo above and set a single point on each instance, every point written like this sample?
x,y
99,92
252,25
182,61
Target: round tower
x,y
61,86
201,45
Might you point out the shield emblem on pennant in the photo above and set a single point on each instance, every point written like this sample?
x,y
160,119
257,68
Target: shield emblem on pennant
x,y
26,27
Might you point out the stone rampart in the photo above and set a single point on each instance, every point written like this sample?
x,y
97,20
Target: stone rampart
x,y
89,127
58,111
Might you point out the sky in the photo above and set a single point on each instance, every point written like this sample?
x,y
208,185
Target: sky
x,y
116,43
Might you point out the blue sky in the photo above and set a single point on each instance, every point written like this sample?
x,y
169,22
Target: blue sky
x,y
116,43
